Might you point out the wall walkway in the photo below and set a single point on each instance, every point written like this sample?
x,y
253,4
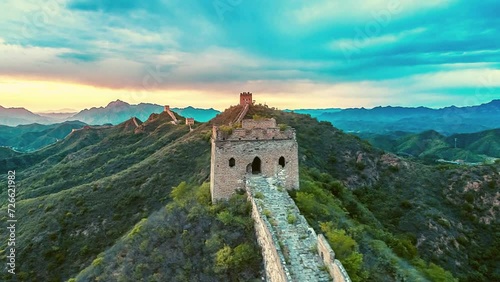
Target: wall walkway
x,y
242,114
295,241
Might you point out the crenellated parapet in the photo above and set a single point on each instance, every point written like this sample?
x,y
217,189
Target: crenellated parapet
x,y
240,134
253,130
246,98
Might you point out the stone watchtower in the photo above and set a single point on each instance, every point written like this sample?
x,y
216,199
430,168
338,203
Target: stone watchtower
x,y
245,98
259,147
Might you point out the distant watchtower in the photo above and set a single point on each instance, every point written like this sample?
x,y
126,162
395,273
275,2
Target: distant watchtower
x,y
258,147
245,98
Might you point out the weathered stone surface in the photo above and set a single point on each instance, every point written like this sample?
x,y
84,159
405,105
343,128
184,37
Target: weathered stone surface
x,y
263,159
256,149
276,270
263,123
334,267
296,241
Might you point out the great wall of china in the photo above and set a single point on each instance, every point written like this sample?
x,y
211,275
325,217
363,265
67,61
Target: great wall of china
x,y
262,159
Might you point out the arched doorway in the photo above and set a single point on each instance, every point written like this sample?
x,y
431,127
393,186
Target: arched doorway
x,y
256,165
281,162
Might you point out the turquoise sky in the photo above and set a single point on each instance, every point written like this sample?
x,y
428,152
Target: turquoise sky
x,y
291,54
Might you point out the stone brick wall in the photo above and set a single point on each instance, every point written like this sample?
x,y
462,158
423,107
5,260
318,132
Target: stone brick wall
x,y
274,261
261,123
327,255
324,249
254,130
167,110
225,179
245,98
255,134
236,152
340,270
296,240
335,268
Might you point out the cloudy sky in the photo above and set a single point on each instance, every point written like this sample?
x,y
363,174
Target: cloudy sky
x,y
57,54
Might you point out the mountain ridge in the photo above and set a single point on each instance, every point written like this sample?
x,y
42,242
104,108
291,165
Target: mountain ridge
x,y
34,136
83,194
19,115
447,121
114,112
477,147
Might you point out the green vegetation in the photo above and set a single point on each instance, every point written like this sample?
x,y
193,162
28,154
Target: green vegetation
x,y
226,129
259,195
102,200
405,200
365,248
7,153
258,117
32,137
429,146
267,213
82,194
184,241
450,220
292,219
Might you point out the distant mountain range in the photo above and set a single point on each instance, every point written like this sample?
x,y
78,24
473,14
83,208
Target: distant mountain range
x,y
25,131
201,115
314,112
382,120
431,145
17,116
446,121
117,112
114,113
58,116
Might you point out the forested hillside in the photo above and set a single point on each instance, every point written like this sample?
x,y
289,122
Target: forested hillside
x,y
90,204
32,137
483,146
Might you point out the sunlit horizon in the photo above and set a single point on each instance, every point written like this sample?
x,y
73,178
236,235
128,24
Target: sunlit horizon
x,y
77,54
52,97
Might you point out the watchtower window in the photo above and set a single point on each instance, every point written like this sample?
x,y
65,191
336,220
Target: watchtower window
x,y
232,162
256,166
282,162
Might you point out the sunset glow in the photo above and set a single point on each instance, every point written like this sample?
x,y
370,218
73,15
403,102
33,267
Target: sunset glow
x,y
76,54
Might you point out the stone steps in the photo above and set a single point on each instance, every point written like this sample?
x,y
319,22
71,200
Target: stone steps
x,y
296,238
